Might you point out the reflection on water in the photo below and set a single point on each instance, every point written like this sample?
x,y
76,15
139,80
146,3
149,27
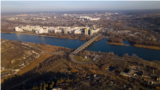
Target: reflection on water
x,y
18,36
101,45
42,39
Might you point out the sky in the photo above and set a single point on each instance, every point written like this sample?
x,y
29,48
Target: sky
x,y
31,6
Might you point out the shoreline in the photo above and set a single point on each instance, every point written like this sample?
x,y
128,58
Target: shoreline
x,y
135,45
87,50
148,47
118,44
47,36
29,34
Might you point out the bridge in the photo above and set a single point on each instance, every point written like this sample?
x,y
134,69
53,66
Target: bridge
x,y
83,47
86,44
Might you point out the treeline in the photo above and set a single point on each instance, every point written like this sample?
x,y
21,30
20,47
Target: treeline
x,y
115,40
141,38
48,63
149,43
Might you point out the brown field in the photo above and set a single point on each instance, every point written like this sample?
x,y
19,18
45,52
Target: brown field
x,y
48,48
149,47
34,64
14,53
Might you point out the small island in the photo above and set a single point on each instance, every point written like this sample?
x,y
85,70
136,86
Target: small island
x,y
116,41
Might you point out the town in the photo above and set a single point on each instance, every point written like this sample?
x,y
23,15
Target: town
x,y
92,45
65,30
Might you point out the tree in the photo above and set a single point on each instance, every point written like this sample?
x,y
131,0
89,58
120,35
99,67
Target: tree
x,y
52,82
68,80
134,55
77,79
126,55
51,86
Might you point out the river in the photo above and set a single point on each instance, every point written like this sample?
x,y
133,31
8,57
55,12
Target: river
x,y
147,54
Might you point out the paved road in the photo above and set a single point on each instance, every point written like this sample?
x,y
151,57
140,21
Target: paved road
x,y
72,58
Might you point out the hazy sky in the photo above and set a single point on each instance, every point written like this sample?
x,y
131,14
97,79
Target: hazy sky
x,y
26,6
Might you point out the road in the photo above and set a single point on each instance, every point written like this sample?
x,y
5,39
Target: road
x,y
85,44
42,51
32,77
72,58
81,48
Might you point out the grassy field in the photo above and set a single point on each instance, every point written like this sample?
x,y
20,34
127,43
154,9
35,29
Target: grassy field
x,y
81,59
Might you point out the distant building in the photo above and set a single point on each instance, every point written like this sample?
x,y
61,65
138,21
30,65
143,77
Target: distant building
x,y
94,26
27,28
77,31
88,18
45,29
92,31
92,19
17,29
57,31
65,31
86,31
39,31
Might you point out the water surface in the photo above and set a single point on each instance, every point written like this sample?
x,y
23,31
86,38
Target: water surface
x,y
101,45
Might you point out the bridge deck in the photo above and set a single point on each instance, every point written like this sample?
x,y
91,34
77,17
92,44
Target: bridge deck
x,y
85,44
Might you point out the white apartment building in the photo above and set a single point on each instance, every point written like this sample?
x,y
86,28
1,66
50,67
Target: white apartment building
x,y
57,31
26,28
78,31
92,31
88,18
96,30
17,29
39,31
45,29
92,19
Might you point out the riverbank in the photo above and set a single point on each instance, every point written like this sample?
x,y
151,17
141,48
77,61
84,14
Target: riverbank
x,y
57,35
96,46
28,34
118,44
145,46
